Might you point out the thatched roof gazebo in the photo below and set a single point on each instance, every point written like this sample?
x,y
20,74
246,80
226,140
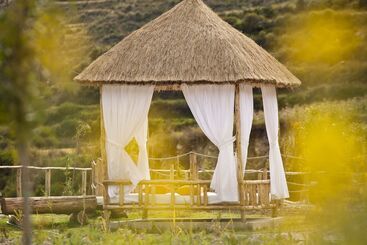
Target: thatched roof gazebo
x,y
189,48
188,44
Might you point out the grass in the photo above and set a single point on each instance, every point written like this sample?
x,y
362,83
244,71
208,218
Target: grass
x,y
55,229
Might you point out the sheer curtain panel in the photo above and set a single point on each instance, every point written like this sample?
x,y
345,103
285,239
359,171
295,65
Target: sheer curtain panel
x,y
278,183
141,138
125,110
247,115
213,109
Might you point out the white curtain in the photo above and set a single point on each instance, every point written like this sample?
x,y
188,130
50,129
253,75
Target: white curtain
x,y
278,183
213,109
141,139
247,115
125,109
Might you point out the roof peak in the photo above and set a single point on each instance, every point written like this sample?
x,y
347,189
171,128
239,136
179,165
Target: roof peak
x,y
188,44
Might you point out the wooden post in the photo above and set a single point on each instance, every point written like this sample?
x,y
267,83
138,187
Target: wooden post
x,y
199,194
48,182
84,182
147,200
140,195
195,189
266,188
173,189
19,182
121,195
106,196
193,167
237,118
144,190
177,166
172,172
154,195
103,167
205,190
192,197
265,174
93,178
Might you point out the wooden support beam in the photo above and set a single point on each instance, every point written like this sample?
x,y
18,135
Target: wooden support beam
x,y
19,182
237,118
103,164
48,182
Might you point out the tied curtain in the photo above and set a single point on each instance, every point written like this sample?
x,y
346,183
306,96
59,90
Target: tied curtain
x,y
278,183
246,117
125,113
213,108
141,138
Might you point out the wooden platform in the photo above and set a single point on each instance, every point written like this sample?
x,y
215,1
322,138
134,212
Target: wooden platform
x,y
157,225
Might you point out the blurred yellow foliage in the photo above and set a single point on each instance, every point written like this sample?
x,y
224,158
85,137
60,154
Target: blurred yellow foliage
x,y
329,142
59,46
329,147
327,37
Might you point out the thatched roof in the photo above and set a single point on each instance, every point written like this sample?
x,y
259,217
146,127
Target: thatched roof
x,y
187,44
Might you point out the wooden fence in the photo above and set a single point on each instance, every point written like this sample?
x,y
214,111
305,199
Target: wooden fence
x,y
96,173
47,172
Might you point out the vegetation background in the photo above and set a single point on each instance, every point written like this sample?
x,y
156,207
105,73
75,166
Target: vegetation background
x,y
44,44
323,42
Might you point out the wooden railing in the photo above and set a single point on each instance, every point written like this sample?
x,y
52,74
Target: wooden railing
x,y
195,173
97,170
47,172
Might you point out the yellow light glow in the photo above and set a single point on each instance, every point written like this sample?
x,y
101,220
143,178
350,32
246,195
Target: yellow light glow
x,y
59,48
331,144
324,36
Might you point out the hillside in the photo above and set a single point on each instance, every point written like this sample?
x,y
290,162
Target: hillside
x,y
270,24
283,27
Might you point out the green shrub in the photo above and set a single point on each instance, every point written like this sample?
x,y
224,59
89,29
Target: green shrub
x,y
67,128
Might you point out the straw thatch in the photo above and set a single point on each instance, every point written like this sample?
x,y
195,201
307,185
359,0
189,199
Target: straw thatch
x,y
190,44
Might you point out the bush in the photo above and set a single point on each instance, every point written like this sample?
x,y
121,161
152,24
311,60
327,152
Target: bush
x,y
253,23
58,113
44,137
67,128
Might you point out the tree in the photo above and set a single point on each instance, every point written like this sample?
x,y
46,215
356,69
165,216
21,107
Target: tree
x,y
253,23
33,48
16,88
